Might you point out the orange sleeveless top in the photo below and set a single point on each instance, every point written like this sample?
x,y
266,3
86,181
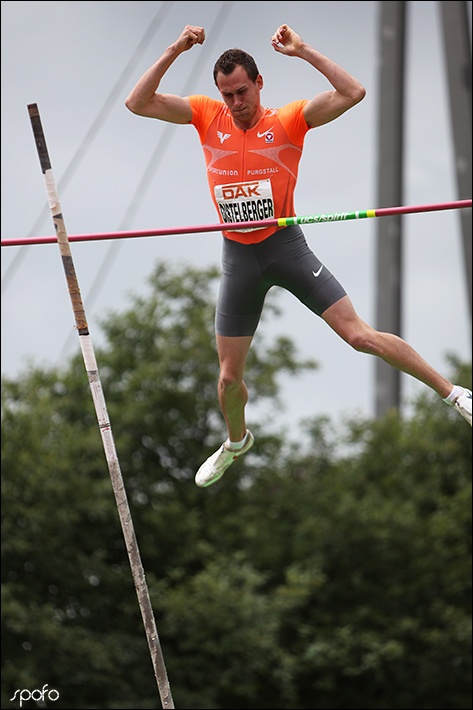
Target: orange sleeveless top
x,y
252,174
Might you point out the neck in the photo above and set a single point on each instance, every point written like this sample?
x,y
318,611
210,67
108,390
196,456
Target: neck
x,y
251,122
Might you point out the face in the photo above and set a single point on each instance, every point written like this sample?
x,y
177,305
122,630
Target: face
x,y
241,95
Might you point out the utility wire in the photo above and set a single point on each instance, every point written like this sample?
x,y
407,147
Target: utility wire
x,y
115,94
148,174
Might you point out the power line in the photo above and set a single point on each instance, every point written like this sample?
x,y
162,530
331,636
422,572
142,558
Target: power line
x,y
148,174
97,124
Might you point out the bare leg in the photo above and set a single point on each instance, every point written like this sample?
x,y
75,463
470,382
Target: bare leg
x,y
232,392
344,320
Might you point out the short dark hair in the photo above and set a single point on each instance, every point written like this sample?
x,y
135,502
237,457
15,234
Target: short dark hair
x,y
232,58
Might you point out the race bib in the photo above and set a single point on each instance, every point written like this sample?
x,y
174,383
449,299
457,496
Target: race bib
x,y
245,202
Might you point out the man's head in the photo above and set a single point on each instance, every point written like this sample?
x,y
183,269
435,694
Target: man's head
x,y
229,60
239,82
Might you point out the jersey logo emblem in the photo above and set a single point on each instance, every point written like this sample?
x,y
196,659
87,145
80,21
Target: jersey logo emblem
x,y
267,133
223,136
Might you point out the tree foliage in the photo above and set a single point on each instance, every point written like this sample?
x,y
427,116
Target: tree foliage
x,y
306,578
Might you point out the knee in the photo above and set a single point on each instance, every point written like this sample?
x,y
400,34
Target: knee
x,y
228,381
363,341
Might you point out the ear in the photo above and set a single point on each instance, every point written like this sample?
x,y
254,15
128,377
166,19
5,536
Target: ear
x,y
259,81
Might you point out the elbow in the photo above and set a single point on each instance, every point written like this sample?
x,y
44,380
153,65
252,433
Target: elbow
x,y
131,105
356,93
359,94
136,104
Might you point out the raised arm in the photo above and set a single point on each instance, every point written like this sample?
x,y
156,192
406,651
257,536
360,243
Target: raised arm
x,y
144,99
328,105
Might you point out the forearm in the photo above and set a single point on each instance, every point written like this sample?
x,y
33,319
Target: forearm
x,y
146,87
328,105
339,78
144,99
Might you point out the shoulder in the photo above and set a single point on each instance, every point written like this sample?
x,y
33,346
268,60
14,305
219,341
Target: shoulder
x,y
292,119
293,110
204,104
204,112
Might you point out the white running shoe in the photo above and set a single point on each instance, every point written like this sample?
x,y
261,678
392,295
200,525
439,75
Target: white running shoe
x,y
217,464
463,405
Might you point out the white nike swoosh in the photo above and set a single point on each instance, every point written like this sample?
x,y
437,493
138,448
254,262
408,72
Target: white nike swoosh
x,y
260,135
318,272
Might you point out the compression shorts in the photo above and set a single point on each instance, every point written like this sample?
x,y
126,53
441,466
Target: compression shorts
x,y
249,270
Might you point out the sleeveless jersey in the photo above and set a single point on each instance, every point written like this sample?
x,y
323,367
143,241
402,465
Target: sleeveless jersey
x,y
252,174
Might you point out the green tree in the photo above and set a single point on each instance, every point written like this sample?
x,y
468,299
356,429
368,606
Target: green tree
x,y
307,578
67,589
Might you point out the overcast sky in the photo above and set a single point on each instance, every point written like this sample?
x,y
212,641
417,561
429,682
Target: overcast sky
x,y
116,171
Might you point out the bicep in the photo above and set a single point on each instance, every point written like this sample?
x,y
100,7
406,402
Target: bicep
x,y
325,107
168,107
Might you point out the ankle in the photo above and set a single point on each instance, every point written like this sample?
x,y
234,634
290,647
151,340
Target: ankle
x,y
235,445
454,395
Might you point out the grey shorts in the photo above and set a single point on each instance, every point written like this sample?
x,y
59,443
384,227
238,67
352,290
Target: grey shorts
x,y
250,270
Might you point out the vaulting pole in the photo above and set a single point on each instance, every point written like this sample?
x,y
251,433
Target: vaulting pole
x,y
236,226
102,415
